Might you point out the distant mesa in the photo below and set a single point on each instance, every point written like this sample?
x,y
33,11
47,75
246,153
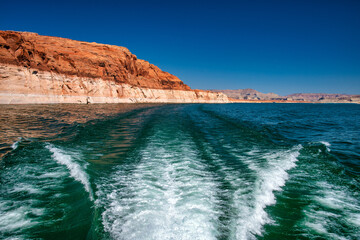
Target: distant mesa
x,y
326,98
251,95
43,69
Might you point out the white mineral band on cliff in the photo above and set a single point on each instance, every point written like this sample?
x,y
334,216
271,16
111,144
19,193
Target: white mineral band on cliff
x,y
21,85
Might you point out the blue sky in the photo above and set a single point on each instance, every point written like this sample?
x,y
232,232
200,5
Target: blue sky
x,y
272,46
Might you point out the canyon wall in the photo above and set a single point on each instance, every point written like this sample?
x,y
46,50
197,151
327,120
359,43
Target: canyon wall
x,y
42,69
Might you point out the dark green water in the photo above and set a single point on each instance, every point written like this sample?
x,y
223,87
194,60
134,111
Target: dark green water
x,y
232,171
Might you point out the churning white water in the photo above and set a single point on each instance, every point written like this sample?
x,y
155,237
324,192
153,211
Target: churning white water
x,y
253,187
168,195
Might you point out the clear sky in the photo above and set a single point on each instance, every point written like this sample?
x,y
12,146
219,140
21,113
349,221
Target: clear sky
x,y
272,46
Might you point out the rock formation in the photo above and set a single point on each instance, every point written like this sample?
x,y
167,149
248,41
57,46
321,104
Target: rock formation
x,y
42,69
325,97
249,94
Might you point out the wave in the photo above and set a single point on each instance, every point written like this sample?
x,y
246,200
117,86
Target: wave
x,y
15,145
327,145
271,175
77,171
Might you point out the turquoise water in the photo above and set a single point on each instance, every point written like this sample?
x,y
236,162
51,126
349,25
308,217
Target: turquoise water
x,y
227,171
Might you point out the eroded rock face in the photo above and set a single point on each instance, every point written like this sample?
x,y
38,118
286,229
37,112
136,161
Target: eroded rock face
x,y
42,69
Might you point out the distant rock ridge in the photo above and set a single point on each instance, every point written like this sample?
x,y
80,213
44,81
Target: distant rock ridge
x,y
325,97
249,94
253,95
43,69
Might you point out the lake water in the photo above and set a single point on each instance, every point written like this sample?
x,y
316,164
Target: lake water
x,y
180,171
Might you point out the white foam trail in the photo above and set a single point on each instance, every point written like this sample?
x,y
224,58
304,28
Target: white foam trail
x,y
76,170
29,188
169,195
251,202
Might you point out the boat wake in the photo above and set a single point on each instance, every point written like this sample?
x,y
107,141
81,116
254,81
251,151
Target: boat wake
x,y
171,191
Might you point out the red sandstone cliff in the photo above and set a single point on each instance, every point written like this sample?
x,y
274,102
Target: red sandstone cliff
x,y
35,66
